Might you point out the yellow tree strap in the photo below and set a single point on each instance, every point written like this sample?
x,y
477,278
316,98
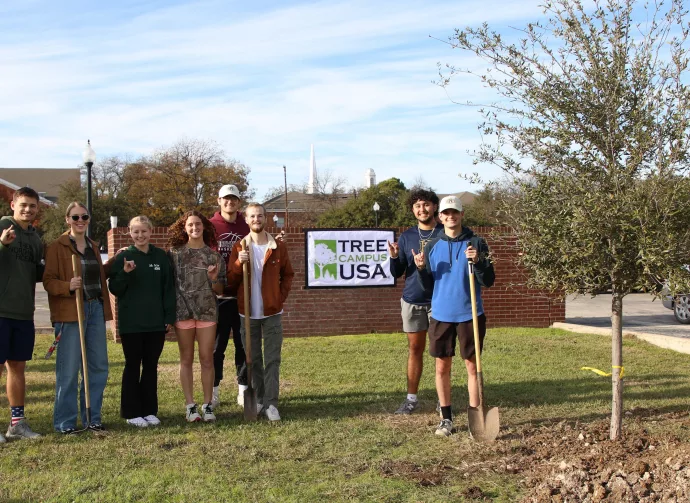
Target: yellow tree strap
x,y
605,374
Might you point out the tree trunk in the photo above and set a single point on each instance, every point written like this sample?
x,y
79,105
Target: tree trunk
x,y
616,364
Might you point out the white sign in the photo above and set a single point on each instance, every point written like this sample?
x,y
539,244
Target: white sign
x,y
345,258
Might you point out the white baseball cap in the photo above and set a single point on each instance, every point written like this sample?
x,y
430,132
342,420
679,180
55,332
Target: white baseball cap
x,y
229,190
450,203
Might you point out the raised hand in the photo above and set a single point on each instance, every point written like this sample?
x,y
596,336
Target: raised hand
x,y
8,235
75,283
393,249
419,259
212,272
129,266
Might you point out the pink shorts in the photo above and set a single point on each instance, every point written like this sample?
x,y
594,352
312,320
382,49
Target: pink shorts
x,y
187,324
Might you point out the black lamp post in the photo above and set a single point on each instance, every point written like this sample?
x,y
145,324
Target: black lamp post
x,y
89,157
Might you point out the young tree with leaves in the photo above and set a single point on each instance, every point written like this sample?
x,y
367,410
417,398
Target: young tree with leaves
x,y
592,123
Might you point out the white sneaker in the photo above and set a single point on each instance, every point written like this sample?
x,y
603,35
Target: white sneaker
x,y
272,413
193,413
215,397
152,420
240,394
139,422
207,411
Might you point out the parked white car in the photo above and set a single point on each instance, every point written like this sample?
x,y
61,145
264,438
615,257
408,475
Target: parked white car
x,y
680,304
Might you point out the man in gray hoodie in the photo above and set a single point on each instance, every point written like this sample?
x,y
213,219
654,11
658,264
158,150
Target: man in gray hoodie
x,y
21,266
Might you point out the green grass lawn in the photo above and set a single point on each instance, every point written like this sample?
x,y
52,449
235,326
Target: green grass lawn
x,y
338,440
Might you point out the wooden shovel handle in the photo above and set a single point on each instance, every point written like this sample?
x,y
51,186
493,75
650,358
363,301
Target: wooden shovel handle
x,y
247,312
78,293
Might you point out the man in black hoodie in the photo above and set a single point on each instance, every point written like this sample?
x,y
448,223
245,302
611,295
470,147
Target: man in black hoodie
x,y
21,266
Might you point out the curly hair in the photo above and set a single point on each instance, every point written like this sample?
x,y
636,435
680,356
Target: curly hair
x,y
420,194
177,236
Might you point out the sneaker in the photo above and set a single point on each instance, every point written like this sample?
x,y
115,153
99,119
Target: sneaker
x,y
215,397
68,431
139,422
207,411
97,427
152,420
20,430
272,413
193,414
407,407
240,394
445,428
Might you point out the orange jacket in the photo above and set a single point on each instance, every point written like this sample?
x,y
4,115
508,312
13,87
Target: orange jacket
x,y
58,273
276,279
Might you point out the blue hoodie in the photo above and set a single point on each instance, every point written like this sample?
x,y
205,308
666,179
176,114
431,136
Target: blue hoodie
x,y
412,239
446,274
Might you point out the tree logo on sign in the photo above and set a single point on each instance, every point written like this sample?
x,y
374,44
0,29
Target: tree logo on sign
x,y
325,266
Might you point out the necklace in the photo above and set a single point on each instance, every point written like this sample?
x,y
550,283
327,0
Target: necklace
x,y
425,238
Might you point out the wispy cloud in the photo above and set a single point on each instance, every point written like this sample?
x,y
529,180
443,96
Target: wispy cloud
x,y
353,77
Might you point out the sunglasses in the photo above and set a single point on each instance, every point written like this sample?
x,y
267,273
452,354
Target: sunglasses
x,y
76,217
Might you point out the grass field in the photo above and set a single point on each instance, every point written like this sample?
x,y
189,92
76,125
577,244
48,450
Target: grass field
x,y
338,440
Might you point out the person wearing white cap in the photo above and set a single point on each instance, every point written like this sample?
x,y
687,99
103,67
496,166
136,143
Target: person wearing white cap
x,y
442,268
230,227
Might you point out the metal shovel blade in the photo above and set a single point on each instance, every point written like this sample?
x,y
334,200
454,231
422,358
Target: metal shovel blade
x,y
250,413
484,423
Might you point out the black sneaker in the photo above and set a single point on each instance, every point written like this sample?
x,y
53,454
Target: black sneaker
x,y
96,427
68,431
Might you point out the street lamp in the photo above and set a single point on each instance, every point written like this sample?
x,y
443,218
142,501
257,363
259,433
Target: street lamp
x,y
376,212
89,157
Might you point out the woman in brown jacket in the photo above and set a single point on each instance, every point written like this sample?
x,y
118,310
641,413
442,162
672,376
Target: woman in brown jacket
x,y
61,285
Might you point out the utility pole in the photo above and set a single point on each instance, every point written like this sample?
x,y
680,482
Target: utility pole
x,y
286,197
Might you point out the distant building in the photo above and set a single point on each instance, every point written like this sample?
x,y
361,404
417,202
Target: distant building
x,y
7,190
46,182
369,178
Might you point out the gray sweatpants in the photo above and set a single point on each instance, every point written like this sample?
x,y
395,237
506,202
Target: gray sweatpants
x,y
266,363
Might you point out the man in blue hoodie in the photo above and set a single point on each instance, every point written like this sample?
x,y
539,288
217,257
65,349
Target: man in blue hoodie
x,y
443,269
21,266
415,303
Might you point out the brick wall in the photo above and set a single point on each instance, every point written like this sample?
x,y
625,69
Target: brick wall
x,y
365,310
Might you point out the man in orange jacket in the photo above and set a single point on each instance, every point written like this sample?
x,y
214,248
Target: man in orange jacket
x,y
270,279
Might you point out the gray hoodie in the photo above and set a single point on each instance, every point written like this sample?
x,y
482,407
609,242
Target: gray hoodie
x,y
21,266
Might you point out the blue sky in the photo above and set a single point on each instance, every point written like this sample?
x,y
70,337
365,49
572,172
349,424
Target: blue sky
x,y
263,79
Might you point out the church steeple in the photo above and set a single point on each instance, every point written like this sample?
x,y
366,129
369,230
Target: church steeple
x,y
311,187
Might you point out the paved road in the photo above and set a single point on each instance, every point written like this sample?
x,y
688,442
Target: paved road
x,y
640,313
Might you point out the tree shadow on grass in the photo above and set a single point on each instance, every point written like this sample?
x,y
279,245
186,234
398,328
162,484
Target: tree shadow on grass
x,y
521,395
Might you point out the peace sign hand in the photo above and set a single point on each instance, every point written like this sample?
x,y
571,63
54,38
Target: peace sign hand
x,y
129,266
419,259
8,235
393,249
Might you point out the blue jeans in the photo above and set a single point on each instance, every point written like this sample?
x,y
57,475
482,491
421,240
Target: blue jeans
x,y
68,366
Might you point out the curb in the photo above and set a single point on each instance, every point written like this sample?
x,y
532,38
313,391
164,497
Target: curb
x,y
678,344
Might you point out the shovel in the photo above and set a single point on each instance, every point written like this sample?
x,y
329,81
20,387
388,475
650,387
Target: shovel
x,y
84,364
250,412
483,421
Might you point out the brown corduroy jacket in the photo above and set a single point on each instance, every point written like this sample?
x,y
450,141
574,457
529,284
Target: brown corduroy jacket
x,y
57,275
276,279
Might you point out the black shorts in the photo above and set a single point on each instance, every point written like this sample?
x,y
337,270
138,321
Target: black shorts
x,y
16,340
442,337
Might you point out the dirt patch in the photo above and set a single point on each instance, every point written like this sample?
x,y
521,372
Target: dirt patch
x,y
575,462
425,477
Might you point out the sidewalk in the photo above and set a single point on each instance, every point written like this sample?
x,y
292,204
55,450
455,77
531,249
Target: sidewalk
x,y
643,317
